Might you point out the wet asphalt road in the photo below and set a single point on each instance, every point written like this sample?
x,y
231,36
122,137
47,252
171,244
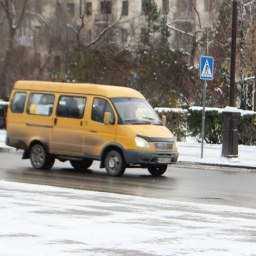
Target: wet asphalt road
x,y
186,183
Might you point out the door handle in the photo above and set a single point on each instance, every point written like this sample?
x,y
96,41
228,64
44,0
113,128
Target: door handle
x,y
81,123
55,120
93,131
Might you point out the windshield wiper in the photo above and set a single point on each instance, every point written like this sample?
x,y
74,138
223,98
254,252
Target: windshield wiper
x,y
136,121
152,119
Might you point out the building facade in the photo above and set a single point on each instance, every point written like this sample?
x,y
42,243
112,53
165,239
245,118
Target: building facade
x,y
190,16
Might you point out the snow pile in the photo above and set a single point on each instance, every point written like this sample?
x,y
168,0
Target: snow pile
x,y
226,109
172,110
4,103
42,220
207,109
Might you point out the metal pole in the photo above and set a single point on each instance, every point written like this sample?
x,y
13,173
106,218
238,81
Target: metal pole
x,y
233,55
204,104
203,119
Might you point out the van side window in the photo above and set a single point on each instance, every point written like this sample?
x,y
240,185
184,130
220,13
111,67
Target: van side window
x,y
99,107
40,104
71,107
18,102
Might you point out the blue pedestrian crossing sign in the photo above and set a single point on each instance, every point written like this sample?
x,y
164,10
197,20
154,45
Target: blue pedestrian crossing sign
x,y
206,68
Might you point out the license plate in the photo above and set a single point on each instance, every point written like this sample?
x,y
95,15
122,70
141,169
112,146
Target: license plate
x,y
164,160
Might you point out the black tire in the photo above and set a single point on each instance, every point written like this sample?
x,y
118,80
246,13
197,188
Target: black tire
x,y
40,158
158,170
114,163
81,165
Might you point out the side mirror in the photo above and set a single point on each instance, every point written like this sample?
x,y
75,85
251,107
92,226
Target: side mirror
x,y
164,120
108,118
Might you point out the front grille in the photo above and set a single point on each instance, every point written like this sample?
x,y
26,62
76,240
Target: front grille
x,y
164,146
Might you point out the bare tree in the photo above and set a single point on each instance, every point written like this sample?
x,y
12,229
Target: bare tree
x,y
14,11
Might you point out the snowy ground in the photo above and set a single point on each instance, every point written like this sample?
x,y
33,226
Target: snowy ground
x,y
190,151
2,138
42,220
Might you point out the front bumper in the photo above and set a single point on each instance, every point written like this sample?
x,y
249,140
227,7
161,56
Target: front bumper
x,y
145,158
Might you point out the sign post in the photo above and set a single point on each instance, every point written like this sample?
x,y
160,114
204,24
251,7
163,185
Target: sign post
x,y
206,74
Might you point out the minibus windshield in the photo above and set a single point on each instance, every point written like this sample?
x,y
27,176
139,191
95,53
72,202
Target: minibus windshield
x,y
135,111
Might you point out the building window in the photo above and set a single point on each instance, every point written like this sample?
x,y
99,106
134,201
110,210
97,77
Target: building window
x,y
71,107
181,6
41,104
125,8
124,35
71,9
146,6
165,6
38,6
106,7
206,5
89,35
144,34
88,8
57,62
18,102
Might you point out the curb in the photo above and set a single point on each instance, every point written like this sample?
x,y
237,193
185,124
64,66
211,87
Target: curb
x,y
6,149
219,165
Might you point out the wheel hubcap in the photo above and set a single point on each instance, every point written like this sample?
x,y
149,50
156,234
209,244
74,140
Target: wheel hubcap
x,y
38,156
113,162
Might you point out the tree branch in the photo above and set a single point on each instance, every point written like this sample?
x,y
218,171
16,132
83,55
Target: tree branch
x,y
180,31
22,14
198,16
102,33
5,6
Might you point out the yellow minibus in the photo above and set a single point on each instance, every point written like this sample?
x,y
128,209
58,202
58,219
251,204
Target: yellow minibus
x,y
81,123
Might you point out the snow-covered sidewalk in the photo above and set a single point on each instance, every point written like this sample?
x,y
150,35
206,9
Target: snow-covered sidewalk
x,y
191,152
2,138
3,146
43,220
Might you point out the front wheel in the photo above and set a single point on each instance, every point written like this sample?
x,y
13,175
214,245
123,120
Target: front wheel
x,y
39,157
115,164
81,165
158,170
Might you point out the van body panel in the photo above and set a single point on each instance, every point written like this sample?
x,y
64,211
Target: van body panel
x,y
150,130
67,137
17,133
98,134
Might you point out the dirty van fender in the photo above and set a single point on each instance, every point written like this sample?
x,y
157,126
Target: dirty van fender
x,y
26,153
111,146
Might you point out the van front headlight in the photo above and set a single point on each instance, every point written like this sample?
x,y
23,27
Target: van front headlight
x,y
141,143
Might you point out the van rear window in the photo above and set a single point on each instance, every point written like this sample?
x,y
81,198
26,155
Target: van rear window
x,y
41,104
18,102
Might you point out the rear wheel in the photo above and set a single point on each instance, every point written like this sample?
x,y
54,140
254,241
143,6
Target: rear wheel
x,y
40,158
114,163
158,170
81,165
